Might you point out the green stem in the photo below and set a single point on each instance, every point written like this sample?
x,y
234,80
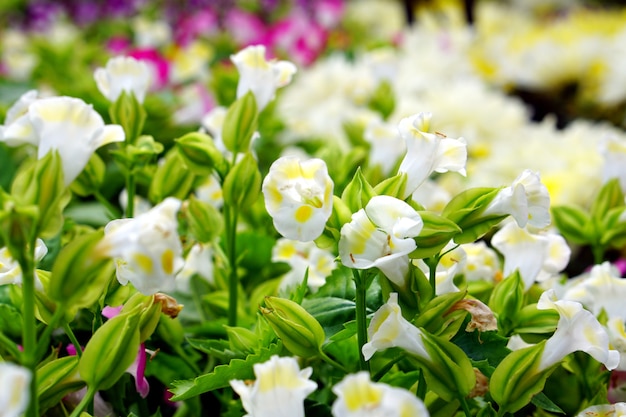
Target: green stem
x,y
75,342
230,217
87,399
42,344
382,371
598,253
333,362
130,192
361,319
29,330
114,212
432,272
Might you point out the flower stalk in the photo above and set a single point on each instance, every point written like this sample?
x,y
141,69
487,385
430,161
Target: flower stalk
x,y
361,316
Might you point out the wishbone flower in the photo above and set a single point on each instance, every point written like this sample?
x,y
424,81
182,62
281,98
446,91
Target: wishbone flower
x,y
259,75
298,195
146,249
527,200
428,152
577,330
15,394
66,124
123,73
381,236
279,390
358,396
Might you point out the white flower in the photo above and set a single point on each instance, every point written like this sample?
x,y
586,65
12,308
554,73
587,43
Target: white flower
x,y
10,271
260,76
15,393
428,152
65,124
300,256
386,146
210,192
604,410
299,197
450,265
123,73
279,390
146,249
536,256
527,200
613,150
358,396
213,122
617,339
17,115
381,236
481,262
577,330
389,329
601,289
199,261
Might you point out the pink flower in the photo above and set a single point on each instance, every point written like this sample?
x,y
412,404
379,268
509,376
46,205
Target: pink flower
x,y
159,65
300,38
246,28
202,22
118,45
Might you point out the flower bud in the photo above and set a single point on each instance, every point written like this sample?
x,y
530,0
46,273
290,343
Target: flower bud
x,y
240,123
171,178
358,192
91,178
56,379
242,185
128,112
204,220
299,331
200,154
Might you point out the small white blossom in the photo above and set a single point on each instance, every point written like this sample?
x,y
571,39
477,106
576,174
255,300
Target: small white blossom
x,y
15,393
123,73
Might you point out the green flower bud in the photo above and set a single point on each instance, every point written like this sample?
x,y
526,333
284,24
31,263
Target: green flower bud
x,y
466,210
150,308
171,178
56,379
18,224
201,155
111,350
241,339
437,316
204,220
81,272
434,236
299,331
394,186
358,192
91,178
130,114
383,100
240,124
141,153
242,185
507,300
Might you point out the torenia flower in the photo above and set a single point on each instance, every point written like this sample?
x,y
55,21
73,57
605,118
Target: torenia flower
x,y
613,150
604,410
450,265
10,271
389,329
536,256
123,73
300,256
279,390
67,125
527,200
146,249
381,236
259,75
18,115
428,152
602,289
386,146
15,394
199,262
481,262
577,330
298,196
358,396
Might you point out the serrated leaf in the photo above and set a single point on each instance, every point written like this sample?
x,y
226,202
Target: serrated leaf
x,y
339,284
330,312
222,374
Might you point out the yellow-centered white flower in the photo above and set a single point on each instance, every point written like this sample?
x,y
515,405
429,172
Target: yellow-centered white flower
x,y
146,249
17,116
381,236
123,73
14,396
303,256
358,396
577,330
428,152
389,329
278,391
67,125
527,200
537,256
299,197
259,75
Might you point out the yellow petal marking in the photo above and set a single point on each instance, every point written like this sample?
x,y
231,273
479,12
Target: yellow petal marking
x,y
303,213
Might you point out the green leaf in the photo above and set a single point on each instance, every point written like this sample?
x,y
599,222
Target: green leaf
x,y
483,346
383,100
545,403
330,312
573,223
609,197
358,192
222,374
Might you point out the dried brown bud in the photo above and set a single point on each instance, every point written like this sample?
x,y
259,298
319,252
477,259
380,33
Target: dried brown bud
x,y
169,305
481,387
483,318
